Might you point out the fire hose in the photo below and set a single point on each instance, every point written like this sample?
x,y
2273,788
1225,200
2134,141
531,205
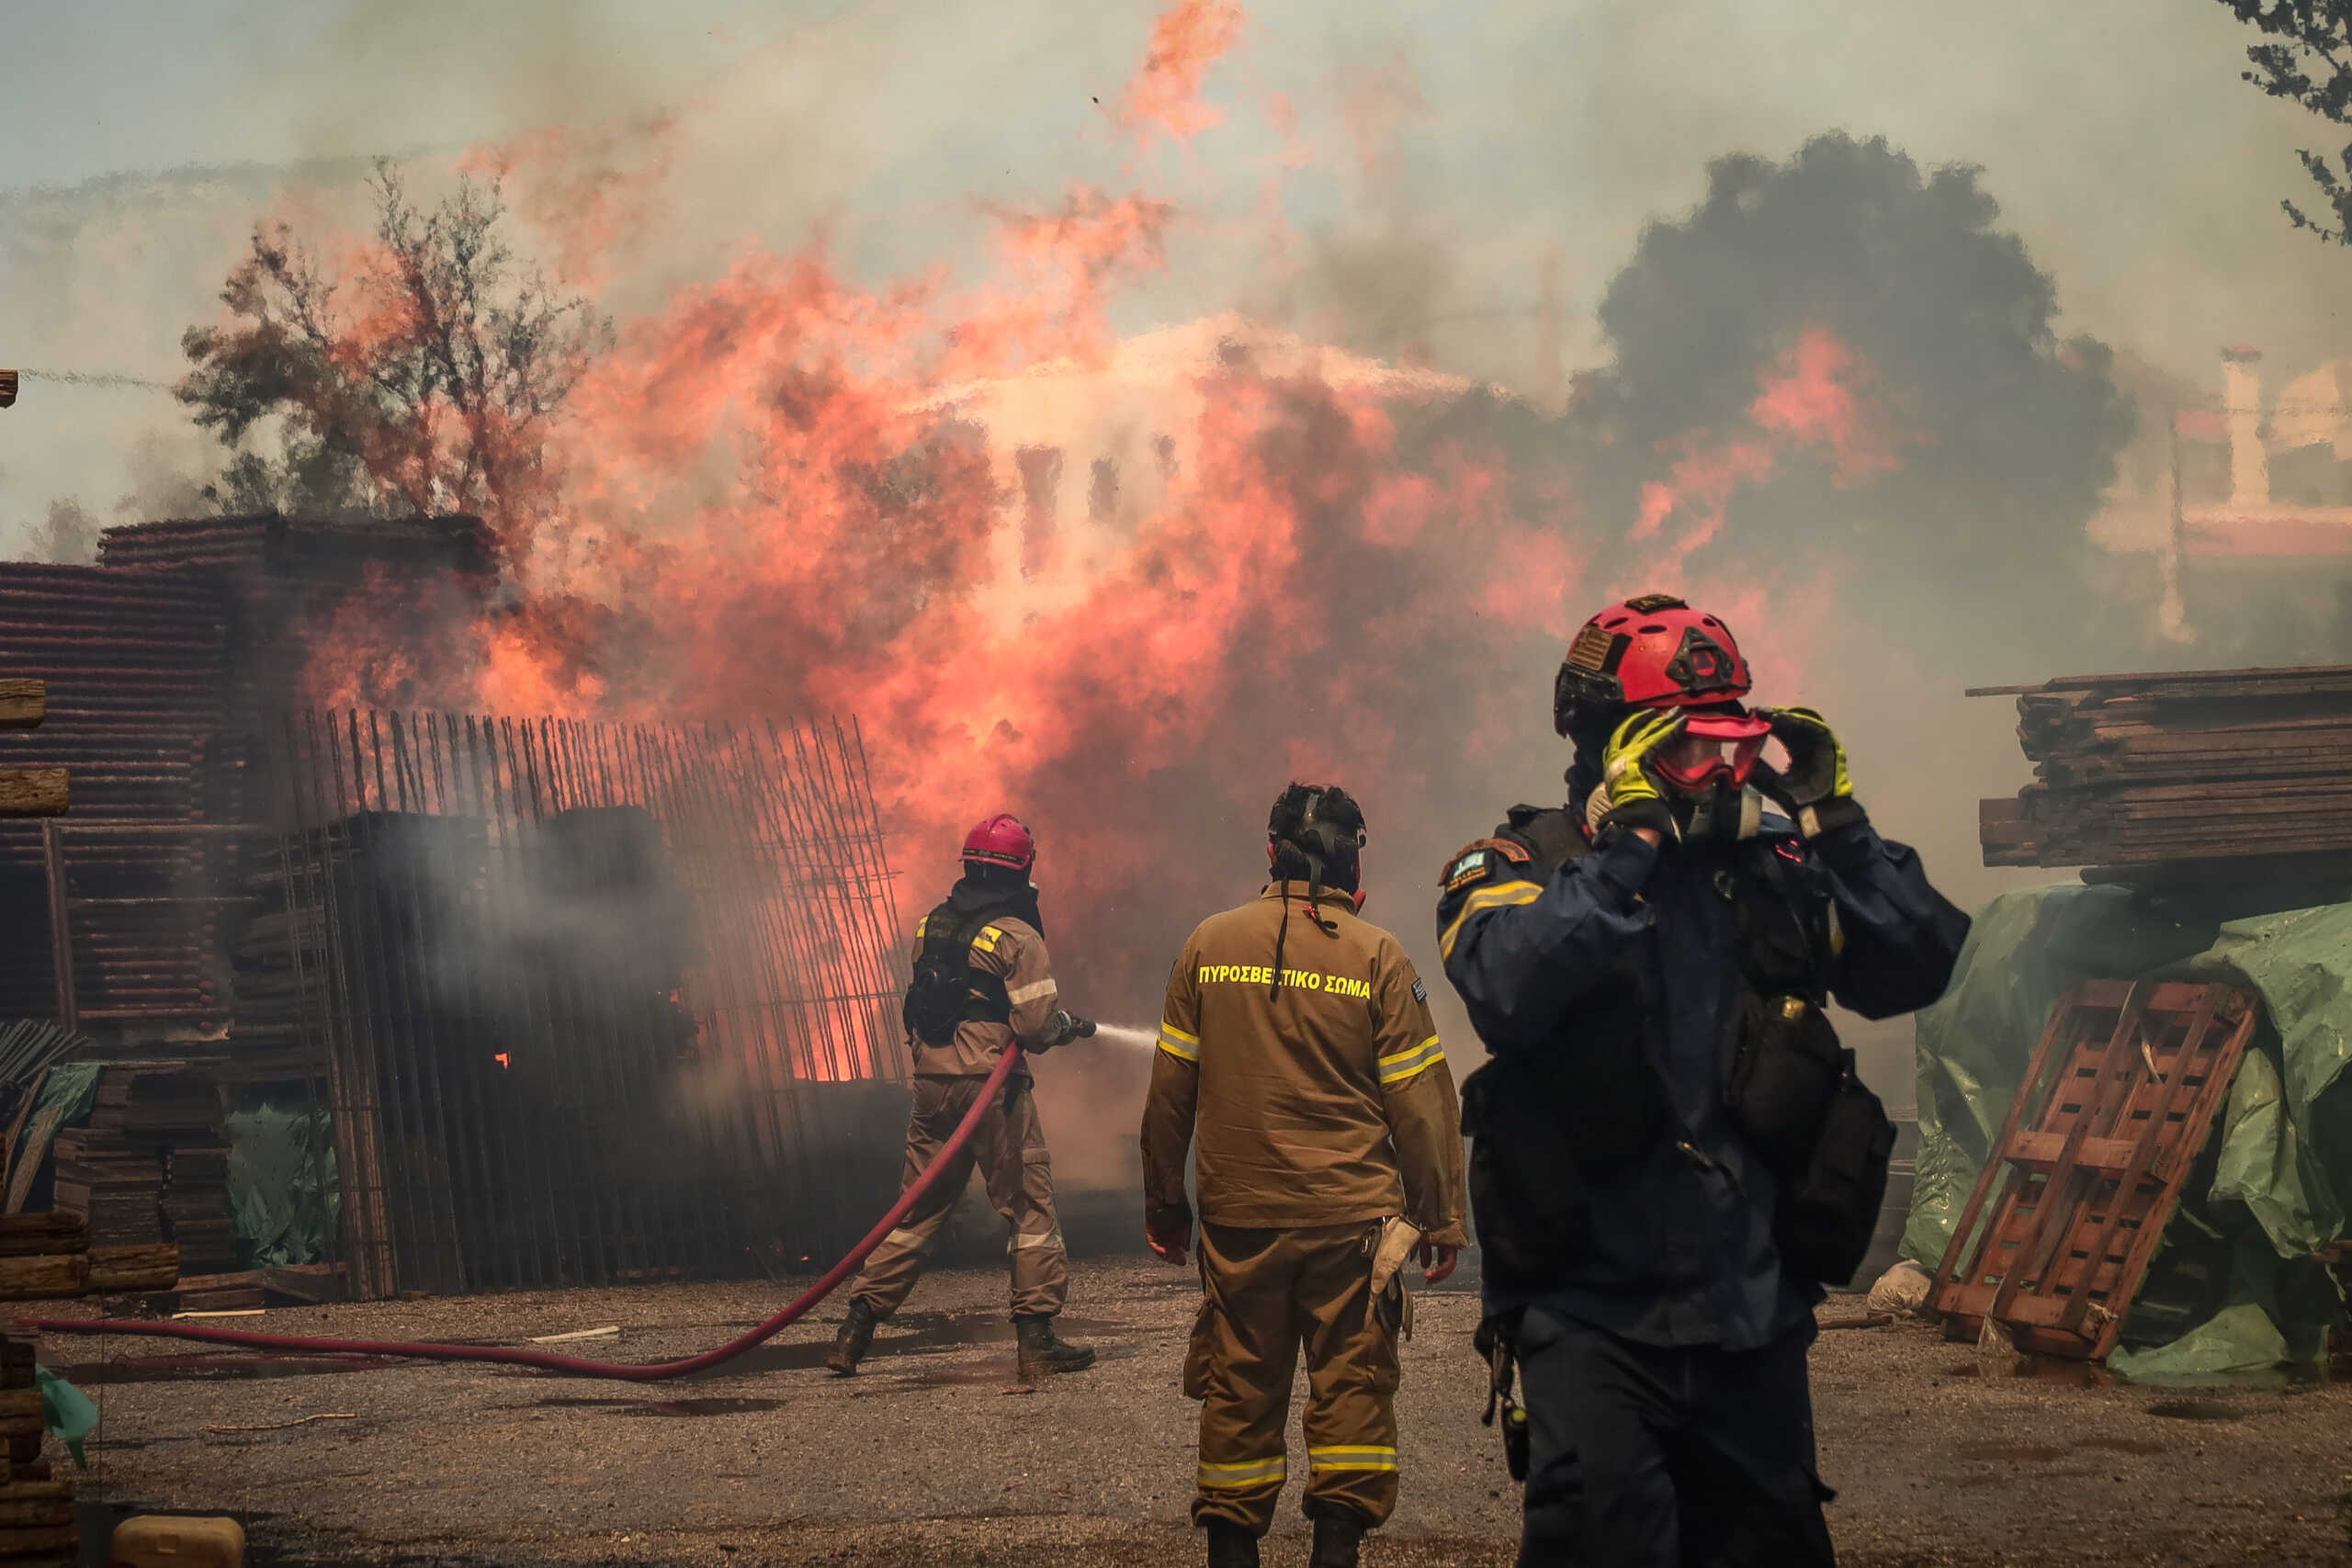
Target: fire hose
x,y
649,1371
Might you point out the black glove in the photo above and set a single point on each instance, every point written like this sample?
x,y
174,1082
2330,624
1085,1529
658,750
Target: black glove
x,y
1814,786
1063,1028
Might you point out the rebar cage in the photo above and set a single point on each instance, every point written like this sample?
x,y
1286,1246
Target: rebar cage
x,y
589,1003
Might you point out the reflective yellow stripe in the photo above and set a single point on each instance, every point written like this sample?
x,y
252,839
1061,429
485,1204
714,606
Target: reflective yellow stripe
x,y
1497,898
1248,1472
986,941
1364,1456
1030,993
1404,1064
1176,1043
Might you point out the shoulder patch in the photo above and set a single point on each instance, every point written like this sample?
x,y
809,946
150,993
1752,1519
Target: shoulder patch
x,y
1420,991
1474,865
1481,861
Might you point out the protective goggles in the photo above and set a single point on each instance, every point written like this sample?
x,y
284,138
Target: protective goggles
x,y
1713,748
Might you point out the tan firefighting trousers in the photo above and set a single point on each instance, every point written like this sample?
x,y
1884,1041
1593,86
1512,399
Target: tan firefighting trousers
x,y
1008,1146
1267,1292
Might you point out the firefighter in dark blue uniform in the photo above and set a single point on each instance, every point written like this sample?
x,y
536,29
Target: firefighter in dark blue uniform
x,y
1671,1152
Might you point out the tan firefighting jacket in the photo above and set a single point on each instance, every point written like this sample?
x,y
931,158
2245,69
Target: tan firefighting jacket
x,y
1325,1105
1013,950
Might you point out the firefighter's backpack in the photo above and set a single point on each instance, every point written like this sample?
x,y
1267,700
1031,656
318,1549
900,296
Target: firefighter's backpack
x,y
948,989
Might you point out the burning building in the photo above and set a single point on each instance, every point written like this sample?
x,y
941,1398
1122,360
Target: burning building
x,y
573,1003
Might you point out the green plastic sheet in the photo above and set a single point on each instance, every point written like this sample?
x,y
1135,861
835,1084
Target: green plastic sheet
x,y
283,1196
67,1411
2234,1282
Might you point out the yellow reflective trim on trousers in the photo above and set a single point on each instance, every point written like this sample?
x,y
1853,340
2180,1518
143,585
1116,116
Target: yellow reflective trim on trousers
x,y
1404,1064
1176,1043
1247,1472
1360,1456
1506,896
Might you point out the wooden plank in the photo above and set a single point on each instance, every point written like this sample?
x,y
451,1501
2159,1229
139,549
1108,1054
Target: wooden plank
x,y
44,1278
23,703
2041,1151
24,1543
35,1514
48,1230
33,792
148,1267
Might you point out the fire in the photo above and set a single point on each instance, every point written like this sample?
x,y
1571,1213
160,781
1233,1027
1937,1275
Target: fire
x,y
781,494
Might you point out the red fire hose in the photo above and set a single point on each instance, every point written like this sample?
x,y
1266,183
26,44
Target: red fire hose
x,y
652,1371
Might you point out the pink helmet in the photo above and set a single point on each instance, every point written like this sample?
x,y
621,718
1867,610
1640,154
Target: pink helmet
x,y
1003,840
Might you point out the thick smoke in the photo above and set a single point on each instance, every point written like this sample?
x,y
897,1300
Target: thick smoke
x,y
1835,397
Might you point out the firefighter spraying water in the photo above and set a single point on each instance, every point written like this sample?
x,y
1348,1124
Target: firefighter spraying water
x,y
982,984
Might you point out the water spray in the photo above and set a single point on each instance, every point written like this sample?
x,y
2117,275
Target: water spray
x,y
1128,1034
95,379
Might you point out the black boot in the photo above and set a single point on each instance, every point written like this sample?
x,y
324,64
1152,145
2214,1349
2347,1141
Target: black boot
x,y
1042,1353
1338,1533
855,1338
1230,1546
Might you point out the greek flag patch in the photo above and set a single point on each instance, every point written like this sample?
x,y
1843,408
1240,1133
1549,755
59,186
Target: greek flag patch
x,y
1420,991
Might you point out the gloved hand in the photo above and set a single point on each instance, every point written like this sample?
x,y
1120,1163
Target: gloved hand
x,y
1063,1028
1635,797
1170,1235
1437,1259
1814,786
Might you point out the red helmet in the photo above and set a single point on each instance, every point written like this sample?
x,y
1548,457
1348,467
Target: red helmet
x,y
1001,840
1654,652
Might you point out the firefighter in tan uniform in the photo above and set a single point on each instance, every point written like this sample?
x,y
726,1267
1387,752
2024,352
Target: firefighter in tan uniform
x,y
1298,1055
982,981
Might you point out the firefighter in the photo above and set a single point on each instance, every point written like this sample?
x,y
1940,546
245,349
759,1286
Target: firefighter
x,y
1671,1151
1298,1049
982,981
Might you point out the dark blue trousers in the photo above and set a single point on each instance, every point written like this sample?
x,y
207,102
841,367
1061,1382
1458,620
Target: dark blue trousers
x,y
1643,1457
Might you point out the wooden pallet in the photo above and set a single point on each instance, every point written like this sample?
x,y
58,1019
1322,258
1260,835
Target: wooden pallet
x,y
2079,1193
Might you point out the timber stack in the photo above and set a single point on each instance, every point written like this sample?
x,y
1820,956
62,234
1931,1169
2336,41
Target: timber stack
x,y
150,1168
38,1528
48,1256
2210,774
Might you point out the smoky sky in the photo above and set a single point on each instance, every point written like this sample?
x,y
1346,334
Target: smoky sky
x,y
1436,173
2136,166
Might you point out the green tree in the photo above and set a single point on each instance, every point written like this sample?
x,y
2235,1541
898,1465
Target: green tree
x,y
423,381
2310,61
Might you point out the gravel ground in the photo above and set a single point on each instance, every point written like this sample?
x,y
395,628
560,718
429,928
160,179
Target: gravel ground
x,y
933,1457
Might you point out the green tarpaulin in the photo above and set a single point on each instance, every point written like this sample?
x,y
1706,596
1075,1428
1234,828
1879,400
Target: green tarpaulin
x,y
283,1198
2275,1178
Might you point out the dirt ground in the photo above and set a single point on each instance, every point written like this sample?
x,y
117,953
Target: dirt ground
x,y
933,1456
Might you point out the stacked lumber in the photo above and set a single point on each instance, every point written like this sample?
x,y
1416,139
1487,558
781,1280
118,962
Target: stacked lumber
x,y
196,1207
150,1168
38,1528
116,1184
48,1256
2201,767
269,1044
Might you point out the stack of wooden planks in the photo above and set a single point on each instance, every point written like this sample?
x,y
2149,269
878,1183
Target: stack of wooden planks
x,y
2199,768
151,1166
37,1521
48,1256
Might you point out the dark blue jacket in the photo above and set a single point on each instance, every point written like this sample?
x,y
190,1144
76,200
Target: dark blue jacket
x,y
1681,1249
